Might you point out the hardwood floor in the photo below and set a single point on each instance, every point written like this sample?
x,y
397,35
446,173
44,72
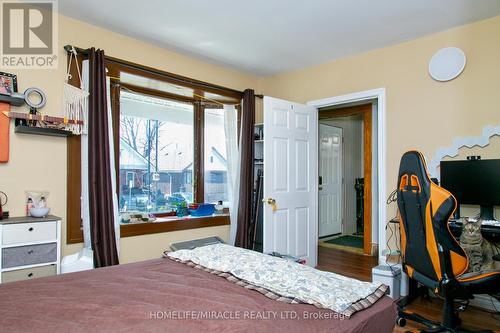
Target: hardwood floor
x,y
347,263
360,267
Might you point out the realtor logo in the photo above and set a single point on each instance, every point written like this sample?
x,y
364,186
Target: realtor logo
x,y
29,34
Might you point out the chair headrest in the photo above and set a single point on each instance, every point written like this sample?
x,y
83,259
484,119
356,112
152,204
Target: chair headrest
x,y
413,164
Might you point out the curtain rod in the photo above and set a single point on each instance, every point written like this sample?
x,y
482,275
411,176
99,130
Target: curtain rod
x,y
85,52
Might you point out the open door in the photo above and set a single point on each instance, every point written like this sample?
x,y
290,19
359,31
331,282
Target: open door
x,y
291,179
330,180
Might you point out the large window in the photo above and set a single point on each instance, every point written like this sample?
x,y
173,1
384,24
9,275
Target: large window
x,y
169,147
156,153
172,144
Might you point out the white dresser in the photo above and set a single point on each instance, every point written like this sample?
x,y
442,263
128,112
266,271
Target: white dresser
x,y
29,248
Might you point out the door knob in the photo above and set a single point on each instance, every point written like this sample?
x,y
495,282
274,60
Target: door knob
x,y
271,202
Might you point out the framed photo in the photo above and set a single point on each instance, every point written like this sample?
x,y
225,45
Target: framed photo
x,y
8,83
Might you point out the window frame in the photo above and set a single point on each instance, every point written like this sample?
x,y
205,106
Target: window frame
x,y
114,67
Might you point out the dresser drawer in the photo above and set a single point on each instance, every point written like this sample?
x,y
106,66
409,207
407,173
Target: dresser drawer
x,y
29,232
28,273
29,255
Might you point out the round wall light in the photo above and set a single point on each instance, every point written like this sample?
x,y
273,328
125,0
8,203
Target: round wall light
x,y
447,63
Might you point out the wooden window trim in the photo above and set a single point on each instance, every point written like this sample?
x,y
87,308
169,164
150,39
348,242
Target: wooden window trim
x,y
74,232
156,74
130,230
199,153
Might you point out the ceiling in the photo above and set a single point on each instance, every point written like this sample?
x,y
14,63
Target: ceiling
x,y
266,37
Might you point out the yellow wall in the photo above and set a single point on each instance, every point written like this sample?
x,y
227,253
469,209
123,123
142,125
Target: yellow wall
x,y
490,151
152,246
421,113
39,163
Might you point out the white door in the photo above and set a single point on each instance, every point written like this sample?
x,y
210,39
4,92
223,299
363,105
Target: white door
x,y
330,180
290,179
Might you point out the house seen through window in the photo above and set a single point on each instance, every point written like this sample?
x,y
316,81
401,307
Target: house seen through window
x,y
157,154
215,157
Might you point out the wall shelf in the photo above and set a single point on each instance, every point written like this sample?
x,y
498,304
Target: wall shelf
x,y
22,129
14,99
259,147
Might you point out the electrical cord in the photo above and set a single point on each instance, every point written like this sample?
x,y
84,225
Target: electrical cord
x,y
393,197
388,241
393,234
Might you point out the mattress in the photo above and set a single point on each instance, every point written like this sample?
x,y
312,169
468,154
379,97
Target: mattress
x,y
162,295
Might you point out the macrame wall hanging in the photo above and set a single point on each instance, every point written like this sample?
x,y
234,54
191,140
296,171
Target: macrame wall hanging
x,y
75,99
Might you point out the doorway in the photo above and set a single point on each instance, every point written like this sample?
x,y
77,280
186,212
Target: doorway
x,y
330,180
291,213
345,177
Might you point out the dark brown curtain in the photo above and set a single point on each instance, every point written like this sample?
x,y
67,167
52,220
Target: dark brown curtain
x,y
102,220
246,169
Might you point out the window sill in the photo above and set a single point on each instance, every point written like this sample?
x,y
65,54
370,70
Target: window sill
x,y
172,224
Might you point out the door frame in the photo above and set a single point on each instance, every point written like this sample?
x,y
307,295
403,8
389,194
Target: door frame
x,y
379,96
366,113
342,201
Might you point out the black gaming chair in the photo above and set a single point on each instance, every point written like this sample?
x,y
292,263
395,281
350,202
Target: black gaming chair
x,y
431,255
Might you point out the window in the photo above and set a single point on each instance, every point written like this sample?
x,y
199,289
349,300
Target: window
x,y
172,145
169,146
156,148
215,157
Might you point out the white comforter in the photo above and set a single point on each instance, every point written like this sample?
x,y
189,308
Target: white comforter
x,y
285,278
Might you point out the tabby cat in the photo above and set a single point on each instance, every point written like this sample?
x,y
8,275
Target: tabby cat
x,y
479,250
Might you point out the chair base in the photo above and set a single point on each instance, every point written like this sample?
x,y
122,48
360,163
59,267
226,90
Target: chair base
x,y
451,320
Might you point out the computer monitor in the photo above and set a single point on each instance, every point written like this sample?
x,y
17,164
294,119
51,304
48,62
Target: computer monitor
x,y
475,182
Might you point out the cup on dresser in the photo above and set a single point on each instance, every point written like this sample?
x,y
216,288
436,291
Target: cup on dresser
x,y
3,202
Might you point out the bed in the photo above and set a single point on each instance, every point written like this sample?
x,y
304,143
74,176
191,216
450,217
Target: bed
x,y
162,295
